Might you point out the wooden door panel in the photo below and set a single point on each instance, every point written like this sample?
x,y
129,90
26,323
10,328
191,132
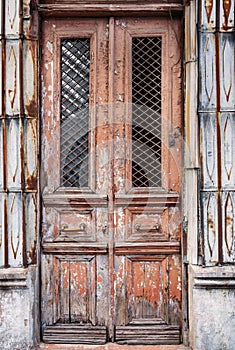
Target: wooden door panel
x,y
150,288
74,217
147,218
148,224
111,263
75,292
146,289
74,297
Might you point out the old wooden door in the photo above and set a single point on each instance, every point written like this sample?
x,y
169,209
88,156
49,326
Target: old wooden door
x,y
111,181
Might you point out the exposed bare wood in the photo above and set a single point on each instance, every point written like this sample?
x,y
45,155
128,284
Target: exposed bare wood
x,y
149,248
105,9
161,334
75,334
147,199
63,200
111,251
73,248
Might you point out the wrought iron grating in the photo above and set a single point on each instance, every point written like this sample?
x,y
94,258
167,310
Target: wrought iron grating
x,y
146,111
74,121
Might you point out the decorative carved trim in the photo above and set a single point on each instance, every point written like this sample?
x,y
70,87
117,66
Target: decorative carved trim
x,y
107,9
213,277
147,199
74,200
73,248
162,248
13,277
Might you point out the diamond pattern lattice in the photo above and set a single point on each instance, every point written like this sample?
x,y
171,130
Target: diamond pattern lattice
x,y
146,112
75,68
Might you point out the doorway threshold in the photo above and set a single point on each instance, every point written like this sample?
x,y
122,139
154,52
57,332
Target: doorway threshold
x,y
109,346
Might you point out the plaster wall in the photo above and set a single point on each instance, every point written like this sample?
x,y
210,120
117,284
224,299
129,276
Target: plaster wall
x,y
212,308
19,314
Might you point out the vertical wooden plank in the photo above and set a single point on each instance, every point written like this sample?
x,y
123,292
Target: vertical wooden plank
x,y
92,290
48,165
48,290
102,290
138,288
175,289
110,188
120,104
121,316
30,77
153,288
79,286
173,143
191,211
64,291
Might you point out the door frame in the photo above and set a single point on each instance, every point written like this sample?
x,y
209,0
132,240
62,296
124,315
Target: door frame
x,y
84,10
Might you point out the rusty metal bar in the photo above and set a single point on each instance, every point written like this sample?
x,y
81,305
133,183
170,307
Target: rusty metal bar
x,y
22,136
218,132
111,172
5,225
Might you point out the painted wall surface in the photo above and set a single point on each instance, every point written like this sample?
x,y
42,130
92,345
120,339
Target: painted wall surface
x,y
209,179
212,307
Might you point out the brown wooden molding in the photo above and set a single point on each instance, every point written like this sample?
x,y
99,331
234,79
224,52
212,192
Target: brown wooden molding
x,y
98,9
73,248
163,248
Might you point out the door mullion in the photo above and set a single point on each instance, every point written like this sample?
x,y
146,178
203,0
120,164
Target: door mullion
x,y
111,178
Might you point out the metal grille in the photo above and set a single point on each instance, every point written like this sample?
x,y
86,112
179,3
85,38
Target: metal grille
x,y
75,68
146,112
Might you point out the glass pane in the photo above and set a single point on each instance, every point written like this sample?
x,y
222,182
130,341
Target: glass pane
x,y
146,112
75,70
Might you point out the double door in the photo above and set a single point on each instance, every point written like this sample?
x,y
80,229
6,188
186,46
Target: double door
x,y
111,180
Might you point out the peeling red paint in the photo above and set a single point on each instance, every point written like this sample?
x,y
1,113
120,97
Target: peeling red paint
x,y
115,241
